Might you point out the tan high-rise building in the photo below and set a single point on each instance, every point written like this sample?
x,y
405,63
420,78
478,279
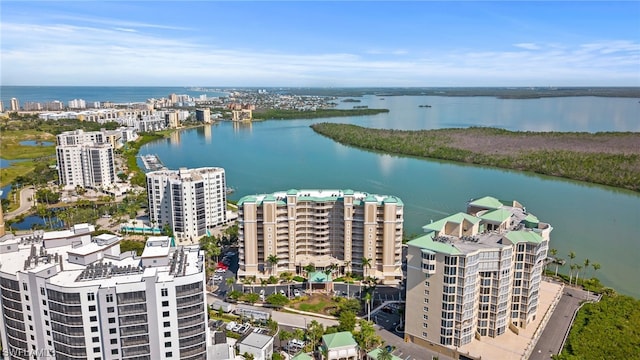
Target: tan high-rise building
x,y
474,274
323,228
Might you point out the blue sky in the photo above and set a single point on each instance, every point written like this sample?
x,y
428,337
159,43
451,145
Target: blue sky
x,y
329,43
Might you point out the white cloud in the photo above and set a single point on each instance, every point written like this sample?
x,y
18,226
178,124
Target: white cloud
x,y
528,46
126,54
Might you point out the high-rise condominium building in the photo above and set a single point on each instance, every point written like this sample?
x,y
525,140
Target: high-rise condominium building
x,y
187,200
203,115
326,228
475,274
15,104
68,295
83,162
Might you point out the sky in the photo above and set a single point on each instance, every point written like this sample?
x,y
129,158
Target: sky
x,y
320,44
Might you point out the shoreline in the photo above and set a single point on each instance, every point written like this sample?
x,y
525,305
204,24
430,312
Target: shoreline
x,y
610,158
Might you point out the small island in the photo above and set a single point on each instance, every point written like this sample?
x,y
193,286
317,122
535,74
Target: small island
x,y
424,106
280,114
351,100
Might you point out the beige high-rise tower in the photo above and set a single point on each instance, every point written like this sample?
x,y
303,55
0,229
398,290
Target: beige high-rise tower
x,y
331,229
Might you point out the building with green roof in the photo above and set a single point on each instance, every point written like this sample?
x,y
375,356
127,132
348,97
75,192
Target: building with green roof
x,y
329,229
475,274
339,346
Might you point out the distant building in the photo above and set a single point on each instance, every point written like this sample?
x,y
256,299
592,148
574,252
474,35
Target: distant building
x,y
187,200
32,106
203,115
242,115
171,119
86,158
475,274
15,105
331,229
78,297
77,104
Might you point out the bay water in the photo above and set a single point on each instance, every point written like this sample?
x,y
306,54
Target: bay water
x,y
596,222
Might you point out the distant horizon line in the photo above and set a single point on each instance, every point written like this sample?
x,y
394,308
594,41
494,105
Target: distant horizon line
x,y
347,87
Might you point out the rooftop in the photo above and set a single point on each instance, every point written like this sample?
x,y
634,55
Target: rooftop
x,y
256,340
319,195
339,339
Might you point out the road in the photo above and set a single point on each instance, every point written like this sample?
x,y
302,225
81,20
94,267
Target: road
x,y
26,193
550,341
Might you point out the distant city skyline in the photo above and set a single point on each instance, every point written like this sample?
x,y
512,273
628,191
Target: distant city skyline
x,y
320,44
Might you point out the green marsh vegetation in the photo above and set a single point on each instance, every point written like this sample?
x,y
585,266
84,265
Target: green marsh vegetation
x,y
602,158
276,114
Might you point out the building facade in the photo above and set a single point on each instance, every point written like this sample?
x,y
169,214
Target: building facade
x,y
324,228
88,165
187,200
475,274
68,295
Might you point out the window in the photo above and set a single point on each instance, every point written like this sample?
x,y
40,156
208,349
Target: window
x,y
30,327
24,286
29,317
168,354
96,349
95,339
44,302
112,320
114,341
112,331
167,324
165,314
165,303
48,332
110,309
33,337
167,344
28,308
46,322
114,352
42,291
109,297
164,292
91,296
26,297
167,334
92,308
94,329
93,318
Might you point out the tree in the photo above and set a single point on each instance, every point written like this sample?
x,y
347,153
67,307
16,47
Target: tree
x,y
273,263
578,268
315,330
366,263
230,281
278,300
347,321
46,196
367,301
251,298
248,356
385,354
366,337
572,256
572,267
287,277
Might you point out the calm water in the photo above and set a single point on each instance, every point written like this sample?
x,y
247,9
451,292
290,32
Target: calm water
x,y
117,94
596,222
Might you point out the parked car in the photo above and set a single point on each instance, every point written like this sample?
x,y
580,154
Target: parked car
x,y
262,295
217,277
297,293
231,325
221,270
283,293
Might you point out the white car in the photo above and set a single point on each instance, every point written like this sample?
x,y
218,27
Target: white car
x,y
221,270
282,293
296,293
217,278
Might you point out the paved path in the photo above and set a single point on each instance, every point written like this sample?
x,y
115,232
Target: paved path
x,y
550,341
26,193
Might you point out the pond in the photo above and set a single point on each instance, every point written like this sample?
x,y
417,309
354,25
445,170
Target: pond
x,y
36,143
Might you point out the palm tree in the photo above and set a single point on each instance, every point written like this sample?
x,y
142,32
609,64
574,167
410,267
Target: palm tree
x,y
230,281
273,262
246,281
586,266
367,300
572,256
385,354
572,267
263,284
287,277
578,268
596,267
347,267
366,263
553,253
